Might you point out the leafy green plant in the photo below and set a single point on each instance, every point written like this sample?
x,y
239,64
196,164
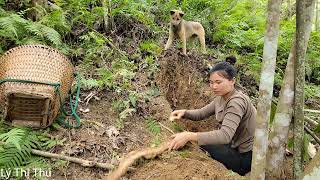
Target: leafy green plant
x,y
57,20
153,126
155,129
177,127
120,105
290,144
184,153
305,154
123,116
89,83
44,32
47,142
138,10
133,96
273,112
312,91
15,28
150,47
16,147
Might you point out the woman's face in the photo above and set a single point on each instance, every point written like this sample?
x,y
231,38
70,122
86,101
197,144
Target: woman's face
x,y
220,85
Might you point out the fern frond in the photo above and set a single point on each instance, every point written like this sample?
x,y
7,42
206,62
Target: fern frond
x,y
153,126
52,35
45,32
50,143
89,83
34,28
57,20
30,40
2,12
11,25
16,148
12,157
14,136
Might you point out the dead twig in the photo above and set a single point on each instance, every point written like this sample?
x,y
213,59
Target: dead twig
x,y
315,137
90,96
166,127
312,111
311,121
82,162
132,157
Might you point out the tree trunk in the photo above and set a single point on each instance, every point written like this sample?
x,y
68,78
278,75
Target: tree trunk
x,y
105,6
316,23
279,133
312,170
265,90
289,8
304,10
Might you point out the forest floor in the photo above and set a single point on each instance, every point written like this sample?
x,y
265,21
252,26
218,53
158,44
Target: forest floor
x,y
182,83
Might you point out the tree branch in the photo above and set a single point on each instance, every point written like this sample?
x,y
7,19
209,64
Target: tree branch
x,y
82,162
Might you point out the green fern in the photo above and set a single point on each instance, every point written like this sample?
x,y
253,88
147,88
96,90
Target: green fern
x,y
13,137
44,32
22,31
48,142
177,127
11,26
16,147
153,126
89,83
57,20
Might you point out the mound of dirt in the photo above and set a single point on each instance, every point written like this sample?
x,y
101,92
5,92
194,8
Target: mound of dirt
x,y
190,163
160,108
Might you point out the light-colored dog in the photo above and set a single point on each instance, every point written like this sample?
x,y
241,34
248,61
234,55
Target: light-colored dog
x,y
184,30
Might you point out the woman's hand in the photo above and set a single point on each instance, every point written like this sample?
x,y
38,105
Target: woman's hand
x,y
180,139
177,114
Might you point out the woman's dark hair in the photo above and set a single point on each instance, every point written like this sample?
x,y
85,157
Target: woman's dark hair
x,y
225,69
231,59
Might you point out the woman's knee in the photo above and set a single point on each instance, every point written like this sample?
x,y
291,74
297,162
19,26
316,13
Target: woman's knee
x,y
216,151
213,147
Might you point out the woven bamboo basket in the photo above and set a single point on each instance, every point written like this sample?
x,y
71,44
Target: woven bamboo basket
x,y
28,103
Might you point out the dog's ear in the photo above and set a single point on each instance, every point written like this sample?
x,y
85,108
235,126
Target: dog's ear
x,y
172,12
181,14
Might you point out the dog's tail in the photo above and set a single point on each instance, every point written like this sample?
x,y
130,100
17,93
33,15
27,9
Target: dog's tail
x,y
231,59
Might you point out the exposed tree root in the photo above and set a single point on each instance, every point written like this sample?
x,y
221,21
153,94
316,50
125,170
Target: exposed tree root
x,y
132,157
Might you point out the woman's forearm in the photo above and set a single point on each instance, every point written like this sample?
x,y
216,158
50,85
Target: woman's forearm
x,y
200,114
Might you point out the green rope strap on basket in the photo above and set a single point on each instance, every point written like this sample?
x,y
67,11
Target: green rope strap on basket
x,y
61,118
